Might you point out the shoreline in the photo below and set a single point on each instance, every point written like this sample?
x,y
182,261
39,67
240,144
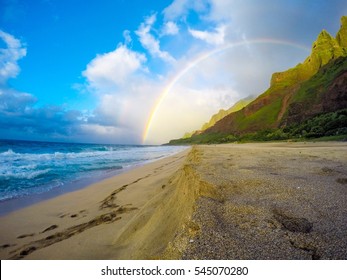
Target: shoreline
x,y
14,204
11,205
227,201
96,212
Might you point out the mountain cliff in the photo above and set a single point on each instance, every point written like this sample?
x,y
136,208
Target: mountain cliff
x,y
314,87
220,115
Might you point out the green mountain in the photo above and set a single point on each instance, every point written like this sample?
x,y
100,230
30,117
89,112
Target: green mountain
x,y
220,115
312,88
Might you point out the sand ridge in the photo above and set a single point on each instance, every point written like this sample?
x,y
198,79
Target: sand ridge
x,y
163,228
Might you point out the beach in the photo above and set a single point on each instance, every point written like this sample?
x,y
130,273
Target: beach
x,y
230,201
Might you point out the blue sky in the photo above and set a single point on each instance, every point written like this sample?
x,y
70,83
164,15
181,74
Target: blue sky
x,y
95,71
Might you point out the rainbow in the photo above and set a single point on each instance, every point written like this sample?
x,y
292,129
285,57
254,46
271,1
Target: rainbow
x,y
191,64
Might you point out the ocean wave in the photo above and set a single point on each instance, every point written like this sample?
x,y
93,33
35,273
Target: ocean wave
x,y
35,168
15,173
31,157
9,152
103,151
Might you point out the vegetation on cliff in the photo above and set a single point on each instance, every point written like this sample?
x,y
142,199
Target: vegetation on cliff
x,y
305,94
220,115
328,126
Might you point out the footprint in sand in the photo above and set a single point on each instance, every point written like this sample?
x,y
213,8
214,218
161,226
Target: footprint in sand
x,y
69,232
27,251
109,201
50,228
7,246
292,224
25,235
84,213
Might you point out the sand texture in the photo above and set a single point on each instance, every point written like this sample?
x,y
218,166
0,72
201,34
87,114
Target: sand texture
x,y
86,224
279,201
235,201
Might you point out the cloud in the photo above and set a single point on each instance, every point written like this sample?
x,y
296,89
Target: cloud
x,y
59,124
176,9
111,75
9,57
213,38
148,41
19,114
20,118
180,8
186,109
113,68
125,93
126,84
170,28
214,83
121,113
127,37
13,102
289,20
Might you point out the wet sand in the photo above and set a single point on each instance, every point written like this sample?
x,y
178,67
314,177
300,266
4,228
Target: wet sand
x,y
85,224
234,201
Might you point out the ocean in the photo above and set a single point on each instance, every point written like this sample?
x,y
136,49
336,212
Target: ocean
x,y
30,168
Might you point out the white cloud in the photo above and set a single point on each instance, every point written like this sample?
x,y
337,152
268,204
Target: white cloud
x,y
170,28
186,109
9,56
214,38
125,95
217,81
127,37
176,9
122,112
150,20
180,8
107,134
113,68
294,21
148,41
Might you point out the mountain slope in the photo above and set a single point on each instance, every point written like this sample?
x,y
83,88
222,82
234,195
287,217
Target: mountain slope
x,y
325,92
269,108
220,115
316,86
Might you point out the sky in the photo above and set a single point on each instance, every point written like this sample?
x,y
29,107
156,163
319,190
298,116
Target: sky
x,y
143,72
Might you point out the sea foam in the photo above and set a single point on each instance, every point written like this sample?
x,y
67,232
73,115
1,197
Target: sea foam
x,y
35,167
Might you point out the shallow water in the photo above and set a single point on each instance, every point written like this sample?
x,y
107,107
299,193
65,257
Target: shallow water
x,y
30,168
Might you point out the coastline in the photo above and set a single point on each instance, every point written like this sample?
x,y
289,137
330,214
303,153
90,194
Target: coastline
x,y
96,212
228,201
15,204
10,205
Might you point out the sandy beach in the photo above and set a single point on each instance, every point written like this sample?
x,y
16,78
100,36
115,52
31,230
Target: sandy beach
x,y
233,201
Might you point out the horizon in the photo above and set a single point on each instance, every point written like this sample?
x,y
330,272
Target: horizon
x,y
79,143
122,73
